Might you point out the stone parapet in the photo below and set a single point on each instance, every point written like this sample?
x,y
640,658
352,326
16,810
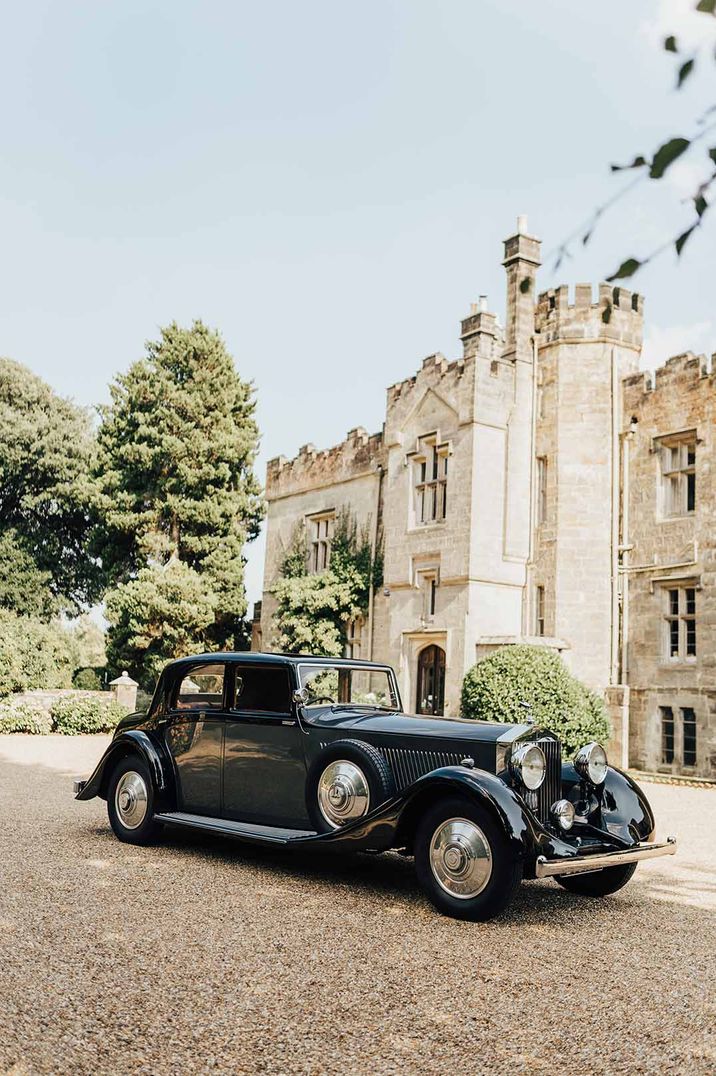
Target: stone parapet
x,y
616,315
359,454
679,373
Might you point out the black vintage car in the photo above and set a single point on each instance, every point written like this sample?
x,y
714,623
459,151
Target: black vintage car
x,y
306,752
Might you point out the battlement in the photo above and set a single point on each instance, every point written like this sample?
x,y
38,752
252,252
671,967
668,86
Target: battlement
x,y
435,369
616,314
360,453
680,372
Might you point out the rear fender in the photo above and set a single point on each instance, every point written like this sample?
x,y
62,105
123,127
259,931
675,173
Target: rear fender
x,y
136,742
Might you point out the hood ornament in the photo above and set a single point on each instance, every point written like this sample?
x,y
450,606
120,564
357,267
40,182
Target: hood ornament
x,y
527,707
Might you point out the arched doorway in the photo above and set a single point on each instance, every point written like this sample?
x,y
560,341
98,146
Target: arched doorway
x,y
431,680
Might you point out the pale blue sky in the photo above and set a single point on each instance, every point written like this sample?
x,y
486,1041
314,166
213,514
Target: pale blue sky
x,y
326,182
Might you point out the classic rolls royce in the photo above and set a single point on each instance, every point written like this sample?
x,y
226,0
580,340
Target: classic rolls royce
x,y
309,752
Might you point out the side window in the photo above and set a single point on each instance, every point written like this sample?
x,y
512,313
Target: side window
x,y
263,688
201,689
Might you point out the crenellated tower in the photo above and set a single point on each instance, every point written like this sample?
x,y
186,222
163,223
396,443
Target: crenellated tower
x,y
586,346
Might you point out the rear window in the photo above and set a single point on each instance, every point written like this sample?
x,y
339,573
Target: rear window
x,y
202,688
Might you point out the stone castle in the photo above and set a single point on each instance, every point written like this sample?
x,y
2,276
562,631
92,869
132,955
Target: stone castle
x,y
539,488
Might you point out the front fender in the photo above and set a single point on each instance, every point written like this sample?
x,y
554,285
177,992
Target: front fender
x,y
619,806
394,824
625,809
132,741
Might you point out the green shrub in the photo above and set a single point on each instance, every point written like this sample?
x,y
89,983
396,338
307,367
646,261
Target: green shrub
x,y
75,716
494,688
87,679
23,717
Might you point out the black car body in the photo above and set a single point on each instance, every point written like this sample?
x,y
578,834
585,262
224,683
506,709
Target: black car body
x,y
313,751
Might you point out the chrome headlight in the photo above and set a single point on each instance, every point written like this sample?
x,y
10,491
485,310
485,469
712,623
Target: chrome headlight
x,y
591,763
563,813
528,765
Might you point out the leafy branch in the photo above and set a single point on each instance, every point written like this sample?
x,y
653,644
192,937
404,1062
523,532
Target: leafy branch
x,y
654,168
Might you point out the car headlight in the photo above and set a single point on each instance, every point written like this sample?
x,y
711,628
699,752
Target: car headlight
x,y
528,765
591,763
563,813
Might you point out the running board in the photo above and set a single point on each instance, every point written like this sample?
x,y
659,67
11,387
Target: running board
x,y
245,831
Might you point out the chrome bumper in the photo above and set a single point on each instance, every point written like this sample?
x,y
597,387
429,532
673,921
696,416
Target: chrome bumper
x,y
546,868
77,785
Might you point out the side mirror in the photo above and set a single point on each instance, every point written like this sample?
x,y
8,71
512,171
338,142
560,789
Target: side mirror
x,y
300,696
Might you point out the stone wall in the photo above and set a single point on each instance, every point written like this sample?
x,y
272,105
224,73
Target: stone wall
x,y
668,551
343,477
46,699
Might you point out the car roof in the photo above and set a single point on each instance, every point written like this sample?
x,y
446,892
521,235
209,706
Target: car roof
x,y
254,657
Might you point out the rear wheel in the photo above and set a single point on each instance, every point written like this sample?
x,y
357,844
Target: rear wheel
x,y
464,861
130,802
598,883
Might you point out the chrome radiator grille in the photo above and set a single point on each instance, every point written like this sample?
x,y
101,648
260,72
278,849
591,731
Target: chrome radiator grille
x,y
551,788
407,766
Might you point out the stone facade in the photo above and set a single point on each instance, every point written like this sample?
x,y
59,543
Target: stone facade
x,y
666,552
519,494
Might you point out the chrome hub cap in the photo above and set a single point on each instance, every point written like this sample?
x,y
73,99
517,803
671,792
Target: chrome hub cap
x,y
130,799
343,793
460,858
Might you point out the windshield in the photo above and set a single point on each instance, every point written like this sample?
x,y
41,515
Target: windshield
x,y
345,685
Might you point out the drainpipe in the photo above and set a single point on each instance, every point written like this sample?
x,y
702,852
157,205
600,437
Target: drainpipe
x,y
614,649
624,549
373,549
528,600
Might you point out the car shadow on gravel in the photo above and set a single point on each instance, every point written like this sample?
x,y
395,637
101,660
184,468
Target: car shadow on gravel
x,y
390,878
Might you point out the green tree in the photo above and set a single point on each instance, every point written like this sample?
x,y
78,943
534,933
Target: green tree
x,y
174,474
165,612
25,588
33,654
314,609
494,689
45,452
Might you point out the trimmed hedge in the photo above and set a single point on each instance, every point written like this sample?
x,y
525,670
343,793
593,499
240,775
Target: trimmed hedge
x,y
73,717
494,688
22,717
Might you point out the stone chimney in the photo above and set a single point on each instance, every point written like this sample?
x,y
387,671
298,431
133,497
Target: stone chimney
x,y
478,330
522,259
521,262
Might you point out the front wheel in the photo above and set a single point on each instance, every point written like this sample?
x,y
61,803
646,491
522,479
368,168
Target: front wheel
x,y
130,802
597,883
464,861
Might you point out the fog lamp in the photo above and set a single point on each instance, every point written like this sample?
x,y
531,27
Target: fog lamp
x,y
591,763
563,813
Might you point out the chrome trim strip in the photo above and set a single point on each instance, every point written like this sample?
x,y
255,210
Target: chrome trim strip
x,y
547,868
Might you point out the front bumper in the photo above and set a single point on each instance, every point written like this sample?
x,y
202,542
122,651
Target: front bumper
x,y
547,868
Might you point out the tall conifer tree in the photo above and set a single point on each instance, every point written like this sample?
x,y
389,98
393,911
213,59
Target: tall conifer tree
x,y
175,476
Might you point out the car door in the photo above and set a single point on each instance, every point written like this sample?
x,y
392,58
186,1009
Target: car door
x,y
194,735
264,760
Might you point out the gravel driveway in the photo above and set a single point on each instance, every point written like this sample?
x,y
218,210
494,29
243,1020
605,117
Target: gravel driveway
x,y
202,955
